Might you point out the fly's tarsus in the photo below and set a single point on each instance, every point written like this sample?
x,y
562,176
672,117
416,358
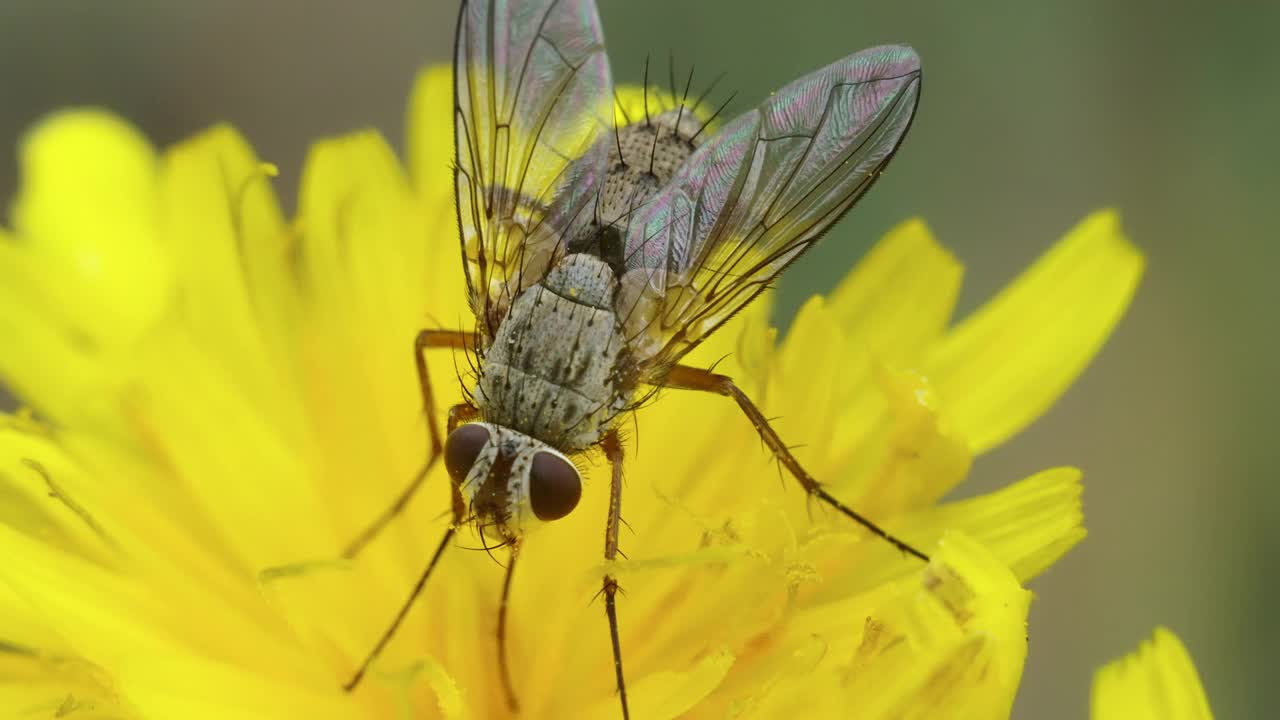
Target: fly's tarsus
x,y
611,589
504,663
359,674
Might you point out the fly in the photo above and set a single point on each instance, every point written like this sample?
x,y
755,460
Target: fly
x,y
598,256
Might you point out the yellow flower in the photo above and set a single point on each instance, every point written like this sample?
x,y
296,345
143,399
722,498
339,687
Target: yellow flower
x,y
1157,682
223,398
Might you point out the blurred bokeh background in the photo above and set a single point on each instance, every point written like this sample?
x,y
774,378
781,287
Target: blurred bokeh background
x,y
1033,114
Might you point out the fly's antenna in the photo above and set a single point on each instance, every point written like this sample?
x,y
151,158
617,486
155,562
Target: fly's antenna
x,y
647,121
713,117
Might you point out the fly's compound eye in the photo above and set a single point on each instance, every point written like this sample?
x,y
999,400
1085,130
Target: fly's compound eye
x,y
461,449
554,486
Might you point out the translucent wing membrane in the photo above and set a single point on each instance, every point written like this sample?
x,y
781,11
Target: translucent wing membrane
x,y
532,95
757,195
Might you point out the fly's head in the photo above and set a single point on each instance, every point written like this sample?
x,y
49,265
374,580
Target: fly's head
x,y
512,482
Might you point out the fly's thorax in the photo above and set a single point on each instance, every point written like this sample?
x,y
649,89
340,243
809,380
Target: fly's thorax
x,y
642,158
511,482
556,368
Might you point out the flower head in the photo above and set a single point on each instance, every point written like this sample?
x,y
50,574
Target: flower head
x,y
224,397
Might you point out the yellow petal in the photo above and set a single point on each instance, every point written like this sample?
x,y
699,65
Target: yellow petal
x,y
967,634
86,219
368,240
432,257
632,101
95,612
355,203
220,442
61,688
448,697
900,296
798,686
1006,364
809,386
366,286
113,620
924,455
1157,682
877,431
86,216
220,217
186,685
1028,525
949,641
671,694
429,125
878,436
45,363
36,500
70,494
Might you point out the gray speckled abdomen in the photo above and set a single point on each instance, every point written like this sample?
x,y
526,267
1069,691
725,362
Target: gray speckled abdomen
x,y
553,370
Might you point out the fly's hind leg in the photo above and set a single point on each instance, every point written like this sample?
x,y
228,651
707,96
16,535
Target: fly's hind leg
x,y
690,378
457,340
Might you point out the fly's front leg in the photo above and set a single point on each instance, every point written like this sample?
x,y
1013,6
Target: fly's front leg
x,y
690,378
458,504
613,451
390,632
508,687
426,339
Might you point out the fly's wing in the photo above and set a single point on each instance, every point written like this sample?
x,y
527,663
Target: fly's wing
x,y
757,195
532,95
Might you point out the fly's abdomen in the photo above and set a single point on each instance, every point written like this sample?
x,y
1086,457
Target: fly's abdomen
x,y
553,370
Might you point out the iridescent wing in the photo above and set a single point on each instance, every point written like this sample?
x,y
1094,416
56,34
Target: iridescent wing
x,y
757,195
532,94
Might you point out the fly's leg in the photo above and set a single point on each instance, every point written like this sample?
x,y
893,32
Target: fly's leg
x,y
404,609
458,504
426,339
690,378
512,702
613,451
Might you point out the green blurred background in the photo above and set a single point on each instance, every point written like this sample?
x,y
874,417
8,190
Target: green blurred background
x,y
1033,114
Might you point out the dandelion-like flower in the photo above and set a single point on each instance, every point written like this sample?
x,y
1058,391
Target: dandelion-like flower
x,y
224,397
